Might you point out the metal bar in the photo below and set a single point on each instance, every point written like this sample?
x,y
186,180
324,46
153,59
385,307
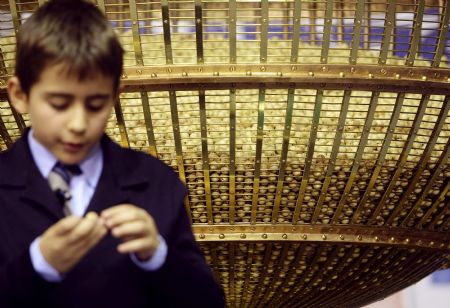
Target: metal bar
x,y
296,31
199,31
284,152
135,30
259,141
264,30
366,21
232,11
403,156
381,156
41,2
434,207
264,271
121,123
148,124
309,155
248,271
5,134
416,32
261,301
3,70
423,161
358,157
442,40
14,15
334,152
327,31
290,274
17,117
232,156
446,224
231,261
215,265
166,31
205,157
388,31
357,31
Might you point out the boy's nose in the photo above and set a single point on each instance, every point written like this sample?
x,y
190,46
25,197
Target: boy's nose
x,y
78,120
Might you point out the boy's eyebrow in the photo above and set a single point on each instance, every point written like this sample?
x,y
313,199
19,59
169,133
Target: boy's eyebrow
x,y
69,96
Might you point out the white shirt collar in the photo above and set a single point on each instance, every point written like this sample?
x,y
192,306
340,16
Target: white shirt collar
x,y
91,166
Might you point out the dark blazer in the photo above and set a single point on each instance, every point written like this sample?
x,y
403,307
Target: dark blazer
x,y
103,278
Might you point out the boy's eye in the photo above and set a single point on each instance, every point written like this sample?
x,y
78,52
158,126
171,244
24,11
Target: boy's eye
x,y
95,106
59,105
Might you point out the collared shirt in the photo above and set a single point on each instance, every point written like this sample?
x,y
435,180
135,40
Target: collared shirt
x,y
82,189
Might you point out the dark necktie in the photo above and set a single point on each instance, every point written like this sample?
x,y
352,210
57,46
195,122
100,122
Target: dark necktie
x,y
59,180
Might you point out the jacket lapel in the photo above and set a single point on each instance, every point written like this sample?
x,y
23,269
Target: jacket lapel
x,y
22,173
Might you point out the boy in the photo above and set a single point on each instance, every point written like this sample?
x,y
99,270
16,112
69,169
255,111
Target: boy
x,y
134,247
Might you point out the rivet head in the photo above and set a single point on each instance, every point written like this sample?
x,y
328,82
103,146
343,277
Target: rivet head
x,y
243,235
124,76
184,74
407,241
359,237
341,237
304,236
383,71
370,76
311,74
284,236
263,68
221,236
324,237
397,76
431,243
216,74
392,239
264,236
342,74
424,78
169,70
279,74
202,236
376,238
139,72
154,75
248,73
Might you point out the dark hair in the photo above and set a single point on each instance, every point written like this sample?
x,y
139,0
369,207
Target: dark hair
x,y
67,31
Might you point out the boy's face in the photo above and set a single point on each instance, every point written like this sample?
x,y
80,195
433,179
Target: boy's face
x,y
68,116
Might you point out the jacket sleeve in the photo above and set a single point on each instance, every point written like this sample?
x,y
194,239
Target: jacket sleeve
x,y
187,279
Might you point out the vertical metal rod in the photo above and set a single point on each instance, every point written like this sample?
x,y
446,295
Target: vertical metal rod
x,y
264,30
205,157
442,40
135,30
440,199
148,123
284,151
199,31
259,141
387,34
166,31
416,33
296,31
232,155
328,22
309,155
249,264
264,273
100,4
357,31
5,134
231,262
121,123
232,11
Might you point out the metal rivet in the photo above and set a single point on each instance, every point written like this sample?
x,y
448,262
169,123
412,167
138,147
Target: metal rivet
x,y
424,78
304,236
139,72
392,239
397,76
216,74
169,70
284,236
263,68
370,76
341,237
324,237
279,74
376,238
407,240
134,23
154,75
232,68
184,74
124,76
359,237
264,236
248,73
342,74
221,236
165,21
311,74
293,68
383,71
243,235
202,236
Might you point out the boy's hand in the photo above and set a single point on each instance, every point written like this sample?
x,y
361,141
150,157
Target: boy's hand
x,y
67,241
135,227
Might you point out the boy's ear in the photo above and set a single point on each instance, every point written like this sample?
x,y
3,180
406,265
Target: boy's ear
x,y
17,96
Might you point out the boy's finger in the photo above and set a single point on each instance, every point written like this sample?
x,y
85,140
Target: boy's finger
x,y
115,210
124,216
136,245
66,225
130,229
86,226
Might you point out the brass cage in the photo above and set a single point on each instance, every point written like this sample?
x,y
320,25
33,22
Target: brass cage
x,y
313,136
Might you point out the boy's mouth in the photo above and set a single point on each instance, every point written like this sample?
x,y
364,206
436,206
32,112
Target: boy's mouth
x,y
72,147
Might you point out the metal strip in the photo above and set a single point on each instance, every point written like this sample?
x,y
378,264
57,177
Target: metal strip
x,y
442,40
3,71
135,30
334,152
416,33
41,2
278,266
166,31
327,32
250,252
178,147
382,155
357,31
422,164
290,274
433,208
259,141
388,31
231,262
403,156
5,134
264,271
445,225
284,152
148,124
18,118
14,15
100,4
366,21
296,31
264,30
205,157
215,264
232,155
232,11
293,294
358,157
199,31
309,155
121,123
